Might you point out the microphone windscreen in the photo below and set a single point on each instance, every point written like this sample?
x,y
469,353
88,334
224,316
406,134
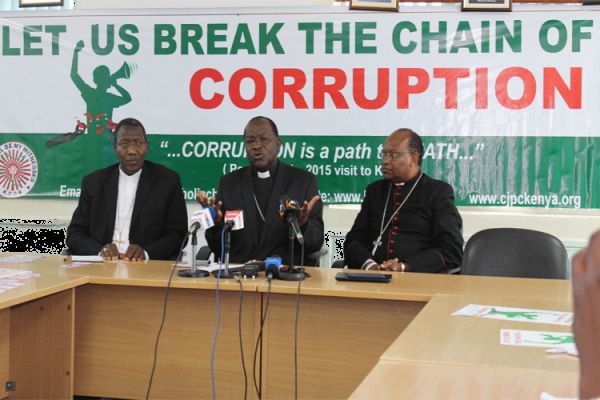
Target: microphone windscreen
x,y
288,206
273,265
204,217
236,217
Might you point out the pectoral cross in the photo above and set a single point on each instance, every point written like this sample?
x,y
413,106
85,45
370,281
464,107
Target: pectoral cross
x,y
119,242
376,245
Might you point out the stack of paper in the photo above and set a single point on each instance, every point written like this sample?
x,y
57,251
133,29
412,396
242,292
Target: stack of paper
x,y
12,278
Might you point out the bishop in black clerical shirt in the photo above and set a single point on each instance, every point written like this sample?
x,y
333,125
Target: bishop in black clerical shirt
x,y
256,190
408,220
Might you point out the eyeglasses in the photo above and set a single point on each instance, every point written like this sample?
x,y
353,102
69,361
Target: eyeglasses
x,y
392,154
135,143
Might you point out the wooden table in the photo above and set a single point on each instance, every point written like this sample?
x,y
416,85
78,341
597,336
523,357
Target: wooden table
x,y
443,356
402,380
344,328
36,332
437,336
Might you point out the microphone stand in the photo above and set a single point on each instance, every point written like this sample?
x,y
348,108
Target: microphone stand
x,y
226,274
292,239
193,272
291,274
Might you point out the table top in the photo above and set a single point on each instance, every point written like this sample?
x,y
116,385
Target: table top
x,y
435,336
454,357
422,287
51,279
153,274
55,277
403,380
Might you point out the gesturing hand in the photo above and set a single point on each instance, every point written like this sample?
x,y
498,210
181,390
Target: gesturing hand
x,y
205,201
306,209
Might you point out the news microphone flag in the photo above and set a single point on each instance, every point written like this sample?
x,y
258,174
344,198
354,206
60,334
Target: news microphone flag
x,y
203,219
235,217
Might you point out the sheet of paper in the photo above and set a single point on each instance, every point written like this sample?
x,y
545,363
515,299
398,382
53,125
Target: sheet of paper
x,y
548,396
516,314
517,337
15,273
86,259
12,278
209,268
75,264
20,258
570,350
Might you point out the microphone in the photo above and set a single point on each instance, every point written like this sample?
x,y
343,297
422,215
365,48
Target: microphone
x,y
272,266
234,220
203,219
289,210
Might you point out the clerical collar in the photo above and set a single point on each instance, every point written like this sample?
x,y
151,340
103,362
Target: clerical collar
x,y
269,172
409,182
130,178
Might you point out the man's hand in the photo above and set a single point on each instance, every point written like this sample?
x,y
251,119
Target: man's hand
x,y
109,252
134,253
586,323
394,265
79,46
306,209
205,201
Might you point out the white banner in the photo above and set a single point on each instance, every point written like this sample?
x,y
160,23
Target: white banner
x,y
335,72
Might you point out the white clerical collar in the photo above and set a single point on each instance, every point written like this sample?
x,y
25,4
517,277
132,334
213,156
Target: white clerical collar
x,y
263,175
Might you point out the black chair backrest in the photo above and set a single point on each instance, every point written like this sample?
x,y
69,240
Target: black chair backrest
x,y
204,253
515,252
312,259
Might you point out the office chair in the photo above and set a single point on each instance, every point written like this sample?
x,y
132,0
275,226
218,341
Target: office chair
x,y
204,253
314,259
515,252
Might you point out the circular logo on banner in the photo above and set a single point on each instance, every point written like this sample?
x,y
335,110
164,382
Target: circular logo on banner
x,y
18,169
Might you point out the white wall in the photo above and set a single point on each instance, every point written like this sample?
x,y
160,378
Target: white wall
x,y
10,5
95,4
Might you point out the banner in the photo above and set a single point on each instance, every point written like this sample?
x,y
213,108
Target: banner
x,y
506,102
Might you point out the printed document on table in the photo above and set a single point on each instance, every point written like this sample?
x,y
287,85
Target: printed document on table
x,y
516,314
517,337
